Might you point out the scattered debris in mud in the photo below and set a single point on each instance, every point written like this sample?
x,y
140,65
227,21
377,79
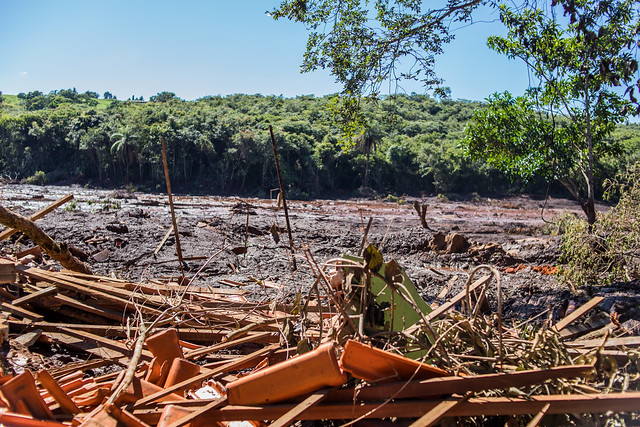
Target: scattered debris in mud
x,y
397,312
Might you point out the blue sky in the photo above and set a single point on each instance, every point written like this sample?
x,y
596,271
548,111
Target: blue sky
x,y
198,48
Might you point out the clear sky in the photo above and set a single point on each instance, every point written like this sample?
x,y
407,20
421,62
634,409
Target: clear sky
x,y
198,48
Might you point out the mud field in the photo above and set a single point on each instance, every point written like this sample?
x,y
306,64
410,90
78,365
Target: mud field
x,y
231,242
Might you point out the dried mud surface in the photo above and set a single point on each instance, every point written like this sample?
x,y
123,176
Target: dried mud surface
x,y
120,231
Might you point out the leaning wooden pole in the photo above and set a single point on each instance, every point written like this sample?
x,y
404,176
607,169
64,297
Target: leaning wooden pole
x,y
173,214
284,199
59,252
61,201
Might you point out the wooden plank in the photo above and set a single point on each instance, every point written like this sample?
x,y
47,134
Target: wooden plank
x,y
82,285
536,420
125,303
438,412
42,212
611,342
200,412
72,367
621,356
35,296
594,323
460,385
195,354
577,313
89,347
294,413
20,312
85,306
105,342
483,406
206,335
207,375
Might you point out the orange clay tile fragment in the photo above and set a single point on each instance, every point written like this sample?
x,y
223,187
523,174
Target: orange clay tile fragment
x,y
294,377
375,365
63,399
545,269
181,369
165,346
17,420
158,371
23,397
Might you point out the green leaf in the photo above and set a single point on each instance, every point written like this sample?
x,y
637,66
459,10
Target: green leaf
x,y
373,258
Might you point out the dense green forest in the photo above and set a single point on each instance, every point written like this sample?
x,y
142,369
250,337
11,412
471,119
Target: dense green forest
x,y
221,145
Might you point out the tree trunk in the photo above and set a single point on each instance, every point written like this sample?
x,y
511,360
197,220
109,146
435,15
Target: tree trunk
x,y
366,172
59,252
591,192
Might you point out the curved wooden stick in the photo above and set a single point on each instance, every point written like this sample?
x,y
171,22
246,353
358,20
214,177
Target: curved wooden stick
x,y
59,252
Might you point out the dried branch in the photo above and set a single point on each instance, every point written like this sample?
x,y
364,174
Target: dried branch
x,y
59,252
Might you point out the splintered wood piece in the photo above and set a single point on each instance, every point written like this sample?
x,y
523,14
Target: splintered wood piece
x,y
104,342
35,296
28,339
195,354
36,251
295,412
41,213
576,314
20,312
166,236
99,291
89,347
7,271
536,420
439,411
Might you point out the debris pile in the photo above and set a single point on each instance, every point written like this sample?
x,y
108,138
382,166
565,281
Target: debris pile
x,y
361,344
319,358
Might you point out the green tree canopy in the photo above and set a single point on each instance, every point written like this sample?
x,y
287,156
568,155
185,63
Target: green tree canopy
x,y
577,60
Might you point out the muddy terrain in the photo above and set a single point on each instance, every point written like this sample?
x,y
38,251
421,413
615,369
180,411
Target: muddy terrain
x,y
242,243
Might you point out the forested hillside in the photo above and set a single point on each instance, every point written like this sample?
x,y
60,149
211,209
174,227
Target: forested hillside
x,y
221,145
